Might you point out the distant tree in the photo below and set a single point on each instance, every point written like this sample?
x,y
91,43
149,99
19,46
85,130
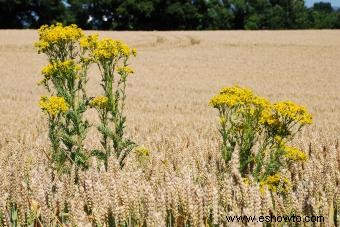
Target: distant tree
x,y
180,14
299,15
337,23
322,16
30,13
259,14
114,14
324,7
94,14
289,14
277,17
136,14
240,10
217,15
169,14
11,13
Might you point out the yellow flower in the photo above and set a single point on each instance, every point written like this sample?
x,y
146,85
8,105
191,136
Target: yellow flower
x,y
124,49
224,100
236,96
124,70
60,69
134,52
294,154
142,155
267,117
260,102
273,182
142,151
237,90
283,113
293,112
106,50
99,102
57,35
86,60
279,140
42,82
53,105
90,41
246,181
47,71
109,50
41,46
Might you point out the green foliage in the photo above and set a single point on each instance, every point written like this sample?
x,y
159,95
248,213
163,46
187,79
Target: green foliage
x,y
322,16
30,13
169,15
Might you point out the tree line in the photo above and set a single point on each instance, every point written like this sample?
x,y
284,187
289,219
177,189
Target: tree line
x,y
169,14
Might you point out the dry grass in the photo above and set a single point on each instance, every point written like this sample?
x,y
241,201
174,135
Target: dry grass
x,y
176,74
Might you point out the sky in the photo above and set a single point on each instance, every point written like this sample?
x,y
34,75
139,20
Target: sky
x,y
333,2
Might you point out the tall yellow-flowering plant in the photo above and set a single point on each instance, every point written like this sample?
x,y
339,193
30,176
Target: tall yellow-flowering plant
x,y
70,53
65,78
111,57
247,119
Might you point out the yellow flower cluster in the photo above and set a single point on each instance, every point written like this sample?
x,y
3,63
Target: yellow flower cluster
x,y
58,37
59,69
99,102
231,97
109,49
125,70
260,102
294,154
273,182
237,96
53,105
89,42
60,66
268,118
270,114
237,90
57,34
285,112
291,111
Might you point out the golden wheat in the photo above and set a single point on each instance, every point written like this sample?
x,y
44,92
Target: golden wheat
x,y
168,113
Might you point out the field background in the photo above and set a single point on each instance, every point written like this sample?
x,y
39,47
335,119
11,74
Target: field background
x,y
176,75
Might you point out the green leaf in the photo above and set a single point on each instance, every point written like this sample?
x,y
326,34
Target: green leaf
x,y
101,155
68,141
105,131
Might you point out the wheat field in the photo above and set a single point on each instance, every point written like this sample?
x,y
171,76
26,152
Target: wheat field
x,y
176,73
